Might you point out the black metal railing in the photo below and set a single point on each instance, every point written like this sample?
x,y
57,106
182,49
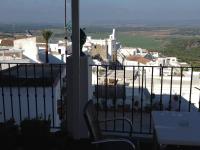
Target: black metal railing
x,y
35,90
135,91
29,91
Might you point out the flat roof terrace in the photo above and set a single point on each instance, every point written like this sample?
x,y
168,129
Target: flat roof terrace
x,y
31,75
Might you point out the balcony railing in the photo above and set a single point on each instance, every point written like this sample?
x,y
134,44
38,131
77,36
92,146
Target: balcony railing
x,y
30,91
135,91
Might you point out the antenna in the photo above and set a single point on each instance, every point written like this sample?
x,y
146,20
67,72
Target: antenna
x,y
13,30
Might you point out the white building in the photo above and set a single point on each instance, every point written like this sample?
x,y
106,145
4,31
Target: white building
x,y
154,53
167,61
57,51
60,47
110,44
135,61
129,51
8,55
29,47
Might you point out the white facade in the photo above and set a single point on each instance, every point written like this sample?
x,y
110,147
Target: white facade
x,y
32,103
57,50
29,47
141,52
131,63
8,55
168,61
154,54
56,47
62,47
127,51
136,63
53,47
172,61
37,97
111,44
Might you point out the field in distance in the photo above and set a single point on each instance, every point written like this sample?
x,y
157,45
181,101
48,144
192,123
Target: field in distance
x,y
181,42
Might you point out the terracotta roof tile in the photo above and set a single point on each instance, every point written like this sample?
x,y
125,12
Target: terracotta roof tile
x,y
7,42
139,59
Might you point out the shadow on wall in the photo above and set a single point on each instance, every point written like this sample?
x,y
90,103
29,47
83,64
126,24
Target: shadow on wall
x,y
130,98
52,59
174,103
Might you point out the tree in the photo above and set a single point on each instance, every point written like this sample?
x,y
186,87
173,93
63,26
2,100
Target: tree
x,y
47,35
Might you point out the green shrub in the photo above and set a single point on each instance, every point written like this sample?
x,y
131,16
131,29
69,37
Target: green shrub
x,y
36,126
8,128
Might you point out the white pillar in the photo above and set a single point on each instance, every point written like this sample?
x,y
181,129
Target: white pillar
x,y
78,77
75,69
75,120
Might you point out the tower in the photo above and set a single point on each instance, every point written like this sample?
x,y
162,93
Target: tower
x,y
114,34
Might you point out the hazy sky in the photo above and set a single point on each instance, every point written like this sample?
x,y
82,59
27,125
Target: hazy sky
x,y
51,11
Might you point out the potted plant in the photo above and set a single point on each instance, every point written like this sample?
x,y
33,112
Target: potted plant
x,y
36,131
8,126
148,108
9,133
157,106
61,137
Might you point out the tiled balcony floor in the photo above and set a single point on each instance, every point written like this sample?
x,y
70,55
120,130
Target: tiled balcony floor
x,y
62,142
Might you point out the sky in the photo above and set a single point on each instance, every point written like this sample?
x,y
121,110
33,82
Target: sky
x,y
95,11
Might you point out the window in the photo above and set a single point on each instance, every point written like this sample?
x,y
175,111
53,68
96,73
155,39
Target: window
x,y
59,51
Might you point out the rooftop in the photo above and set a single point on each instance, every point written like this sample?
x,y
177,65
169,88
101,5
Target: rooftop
x,y
139,59
30,75
149,57
23,37
7,42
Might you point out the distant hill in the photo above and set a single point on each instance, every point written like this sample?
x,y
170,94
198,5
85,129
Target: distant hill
x,y
22,28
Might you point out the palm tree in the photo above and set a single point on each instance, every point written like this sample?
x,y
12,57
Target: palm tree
x,y
47,35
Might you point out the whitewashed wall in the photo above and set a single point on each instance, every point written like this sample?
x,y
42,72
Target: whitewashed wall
x,y
32,102
29,46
